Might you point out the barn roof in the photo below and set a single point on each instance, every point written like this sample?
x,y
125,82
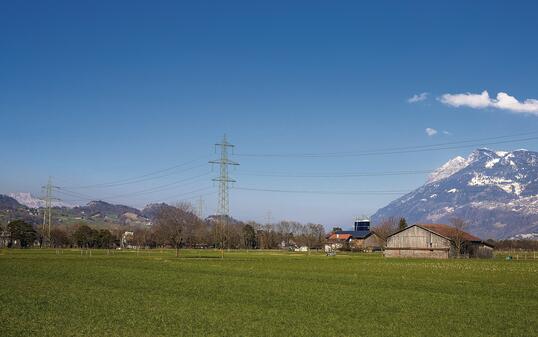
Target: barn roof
x,y
356,234
339,236
449,232
446,231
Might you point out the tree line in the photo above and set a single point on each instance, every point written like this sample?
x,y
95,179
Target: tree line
x,y
21,234
174,226
179,227
510,245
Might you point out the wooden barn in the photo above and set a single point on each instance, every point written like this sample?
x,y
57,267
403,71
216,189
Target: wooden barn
x,y
435,241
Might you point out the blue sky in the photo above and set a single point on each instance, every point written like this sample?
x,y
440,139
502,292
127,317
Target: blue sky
x,y
99,92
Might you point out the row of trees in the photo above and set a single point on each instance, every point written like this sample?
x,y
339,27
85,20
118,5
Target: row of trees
x,y
86,237
510,245
21,234
289,233
18,233
177,227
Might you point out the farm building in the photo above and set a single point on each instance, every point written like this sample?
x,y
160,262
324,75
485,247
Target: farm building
x,y
4,239
435,241
360,238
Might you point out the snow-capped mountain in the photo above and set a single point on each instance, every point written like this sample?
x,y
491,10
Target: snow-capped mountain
x,y
495,192
28,200
448,169
25,206
102,208
527,236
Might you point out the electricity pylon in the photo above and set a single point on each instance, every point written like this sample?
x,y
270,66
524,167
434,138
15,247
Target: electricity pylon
x,y
47,211
223,179
269,217
200,208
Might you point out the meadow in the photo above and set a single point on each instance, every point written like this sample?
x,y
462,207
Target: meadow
x,y
270,293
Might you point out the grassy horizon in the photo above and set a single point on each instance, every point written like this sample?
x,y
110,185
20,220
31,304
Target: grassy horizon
x,y
262,293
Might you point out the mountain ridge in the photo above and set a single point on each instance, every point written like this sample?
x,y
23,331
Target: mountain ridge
x,y
28,200
495,191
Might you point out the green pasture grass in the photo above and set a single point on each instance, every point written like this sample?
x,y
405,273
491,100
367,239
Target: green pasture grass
x,y
262,293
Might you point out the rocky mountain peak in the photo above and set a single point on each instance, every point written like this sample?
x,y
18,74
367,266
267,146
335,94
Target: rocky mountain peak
x,y
449,168
495,191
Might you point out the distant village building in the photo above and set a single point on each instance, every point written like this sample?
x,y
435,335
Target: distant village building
x,y
5,237
126,240
435,241
360,238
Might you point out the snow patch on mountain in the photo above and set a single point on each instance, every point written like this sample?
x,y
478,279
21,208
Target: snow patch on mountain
x,y
526,236
449,168
496,192
492,162
525,205
28,200
436,216
506,185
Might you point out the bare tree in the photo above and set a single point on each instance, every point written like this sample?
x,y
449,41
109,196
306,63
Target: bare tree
x,y
173,225
248,235
201,234
386,227
263,235
268,236
58,238
141,237
285,231
318,235
220,233
234,235
459,226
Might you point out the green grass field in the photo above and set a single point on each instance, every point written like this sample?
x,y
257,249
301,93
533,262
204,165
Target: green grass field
x,y
262,294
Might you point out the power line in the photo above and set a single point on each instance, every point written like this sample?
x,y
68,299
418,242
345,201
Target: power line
x,y
373,192
141,178
191,192
196,192
76,195
224,179
400,150
160,188
339,175
113,198
136,193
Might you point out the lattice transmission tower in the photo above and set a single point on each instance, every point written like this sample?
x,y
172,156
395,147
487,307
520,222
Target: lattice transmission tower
x,y
224,179
200,208
47,211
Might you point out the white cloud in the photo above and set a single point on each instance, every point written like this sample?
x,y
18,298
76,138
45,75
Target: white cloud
x,y
418,97
448,133
431,132
476,101
502,101
507,102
